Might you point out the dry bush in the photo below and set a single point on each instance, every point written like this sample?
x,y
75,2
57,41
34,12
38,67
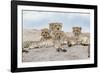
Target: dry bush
x,y
26,44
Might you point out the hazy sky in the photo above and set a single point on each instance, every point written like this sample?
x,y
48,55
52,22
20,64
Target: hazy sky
x,y
40,19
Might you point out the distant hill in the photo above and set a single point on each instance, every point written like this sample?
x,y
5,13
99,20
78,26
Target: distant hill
x,y
31,34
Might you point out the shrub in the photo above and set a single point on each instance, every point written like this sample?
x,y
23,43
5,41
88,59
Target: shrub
x,y
26,44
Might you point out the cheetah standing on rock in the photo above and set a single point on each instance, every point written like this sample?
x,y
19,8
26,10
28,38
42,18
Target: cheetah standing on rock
x,y
58,36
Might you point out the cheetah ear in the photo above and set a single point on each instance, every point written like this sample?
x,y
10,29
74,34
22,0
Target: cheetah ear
x,y
73,27
50,24
60,25
80,28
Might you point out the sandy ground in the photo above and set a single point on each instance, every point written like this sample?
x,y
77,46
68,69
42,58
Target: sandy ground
x,y
50,53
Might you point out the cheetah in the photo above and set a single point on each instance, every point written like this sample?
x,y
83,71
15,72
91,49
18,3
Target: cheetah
x,y
59,38
45,41
77,31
